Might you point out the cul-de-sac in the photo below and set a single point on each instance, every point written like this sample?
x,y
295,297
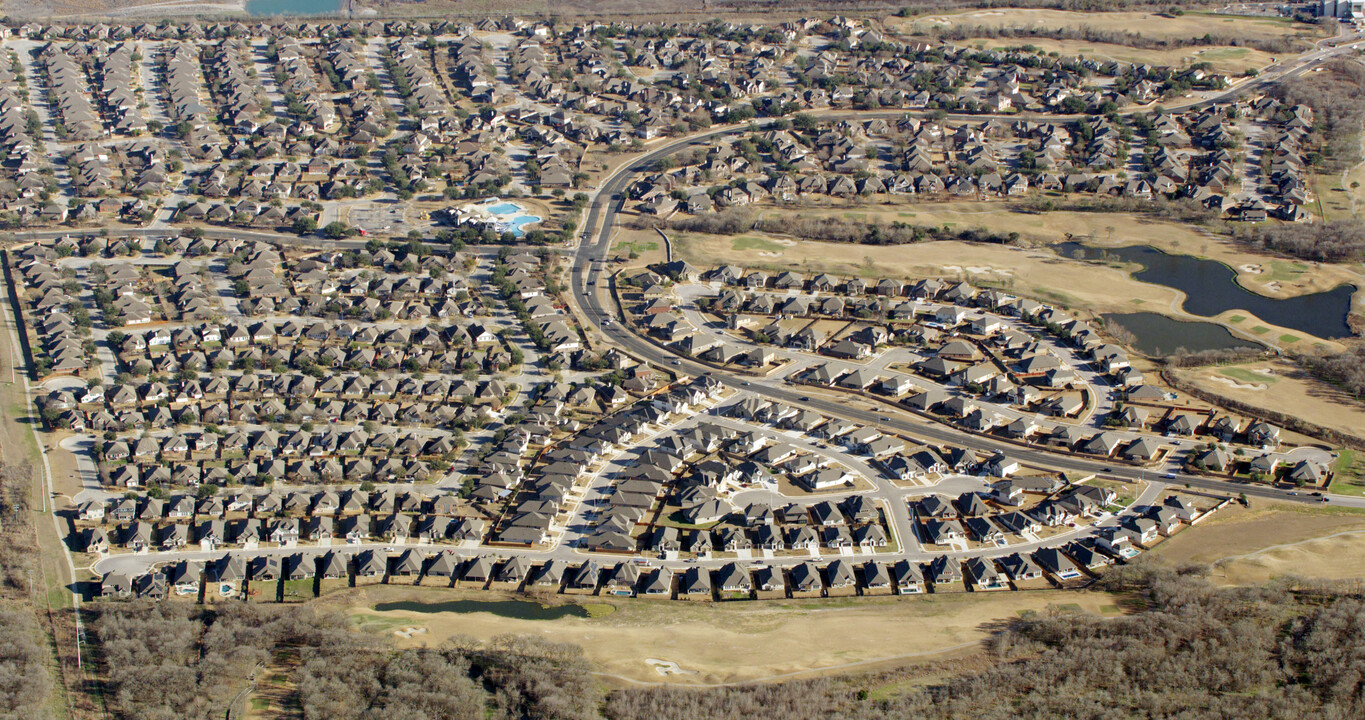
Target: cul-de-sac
x,y
718,358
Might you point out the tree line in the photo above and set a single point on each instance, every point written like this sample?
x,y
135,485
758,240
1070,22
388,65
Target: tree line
x,y
733,221
1333,241
1336,94
1118,37
24,682
172,660
1345,370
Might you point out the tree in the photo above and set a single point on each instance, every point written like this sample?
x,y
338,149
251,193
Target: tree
x,y
304,225
337,230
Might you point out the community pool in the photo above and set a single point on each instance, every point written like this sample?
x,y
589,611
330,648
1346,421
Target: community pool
x,y
516,223
510,216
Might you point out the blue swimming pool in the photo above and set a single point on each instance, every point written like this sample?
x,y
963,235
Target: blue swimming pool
x,y
505,208
516,224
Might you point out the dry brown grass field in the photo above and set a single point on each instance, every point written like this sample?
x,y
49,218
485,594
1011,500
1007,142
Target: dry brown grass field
x,y
1249,546
1282,387
728,642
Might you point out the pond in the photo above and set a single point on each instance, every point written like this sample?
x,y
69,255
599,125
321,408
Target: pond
x,y
267,8
1211,288
513,609
1157,335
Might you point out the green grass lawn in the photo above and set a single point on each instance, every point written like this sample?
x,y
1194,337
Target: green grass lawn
x,y
640,247
754,243
298,590
1284,270
1289,339
1346,471
1222,54
1243,375
598,610
1237,318
1260,330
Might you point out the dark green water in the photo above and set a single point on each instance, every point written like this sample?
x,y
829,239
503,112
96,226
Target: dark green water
x,y
267,8
1211,288
1157,335
513,609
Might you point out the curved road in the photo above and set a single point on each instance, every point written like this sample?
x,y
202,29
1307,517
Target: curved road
x,y
588,288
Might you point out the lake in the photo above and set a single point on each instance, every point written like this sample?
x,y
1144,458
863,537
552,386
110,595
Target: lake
x,y
1211,288
514,609
1157,335
267,8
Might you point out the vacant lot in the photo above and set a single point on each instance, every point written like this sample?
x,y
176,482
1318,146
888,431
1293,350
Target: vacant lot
x,y
1190,25
1283,387
740,640
1272,540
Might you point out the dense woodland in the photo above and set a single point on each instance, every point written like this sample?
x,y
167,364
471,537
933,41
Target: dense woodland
x,y
1335,241
24,682
1190,650
1337,96
172,660
1346,369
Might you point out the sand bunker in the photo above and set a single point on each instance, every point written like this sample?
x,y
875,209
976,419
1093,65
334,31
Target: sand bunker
x,y
1240,385
666,667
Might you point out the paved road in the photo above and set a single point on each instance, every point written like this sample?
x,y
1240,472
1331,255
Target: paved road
x,y
589,290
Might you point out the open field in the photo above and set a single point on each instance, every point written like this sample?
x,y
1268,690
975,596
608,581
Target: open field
x,y
1030,271
1110,230
729,642
1222,59
1321,542
1281,386
1151,25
